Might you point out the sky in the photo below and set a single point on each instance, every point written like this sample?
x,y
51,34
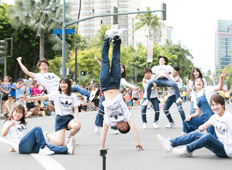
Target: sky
x,y
194,25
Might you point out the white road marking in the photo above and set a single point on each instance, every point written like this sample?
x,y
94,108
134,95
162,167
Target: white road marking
x,y
46,161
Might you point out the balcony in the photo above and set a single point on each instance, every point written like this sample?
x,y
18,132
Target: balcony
x,y
105,1
123,0
105,7
88,31
88,2
88,7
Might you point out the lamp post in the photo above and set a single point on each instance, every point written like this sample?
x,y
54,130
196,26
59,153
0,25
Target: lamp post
x,y
147,47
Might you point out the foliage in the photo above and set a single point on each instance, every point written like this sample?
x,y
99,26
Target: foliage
x,y
228,78
97,40
148,20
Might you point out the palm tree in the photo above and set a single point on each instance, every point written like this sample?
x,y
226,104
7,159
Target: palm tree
x,y
41,15
148,20
97,40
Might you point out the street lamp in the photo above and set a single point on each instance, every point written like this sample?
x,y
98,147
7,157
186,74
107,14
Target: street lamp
x,y
147,47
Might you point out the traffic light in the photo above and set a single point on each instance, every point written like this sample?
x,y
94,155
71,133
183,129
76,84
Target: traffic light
x,y
3,47
115,17
163,15
67,51
83,73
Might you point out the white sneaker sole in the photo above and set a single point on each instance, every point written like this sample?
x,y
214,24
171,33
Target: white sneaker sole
x,y
161,143
74,145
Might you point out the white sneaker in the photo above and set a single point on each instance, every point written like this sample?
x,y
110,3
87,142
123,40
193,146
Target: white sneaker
x,y
45,151
179,101
96,130
71,146
116,132
121,31
170,125
182,152
46,137
146,102
155,125
144,125
166,144
110,33
53,113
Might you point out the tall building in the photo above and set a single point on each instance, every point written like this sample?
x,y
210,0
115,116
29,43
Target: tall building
x,y
223,42
99,7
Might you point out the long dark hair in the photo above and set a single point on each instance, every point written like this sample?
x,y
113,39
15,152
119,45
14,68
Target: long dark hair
x,y
69,89
19,108
123,75
192,76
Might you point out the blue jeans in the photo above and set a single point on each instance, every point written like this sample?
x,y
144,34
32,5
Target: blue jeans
x,y
155,104
81,90
168,103
34,140
99,117
163,82
109,80
197,140
192,110
184,99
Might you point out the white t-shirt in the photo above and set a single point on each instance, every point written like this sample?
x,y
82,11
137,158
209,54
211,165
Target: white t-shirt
x,y
63,103
15,133
116,111
223,129
209,92
194,91
49,80
153,92
124,83
179,84
161,70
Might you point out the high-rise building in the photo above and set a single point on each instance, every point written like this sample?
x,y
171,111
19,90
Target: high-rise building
x,y
99,7
223,42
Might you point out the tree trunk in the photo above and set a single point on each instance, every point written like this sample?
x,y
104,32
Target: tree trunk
x,y
41,48
75,74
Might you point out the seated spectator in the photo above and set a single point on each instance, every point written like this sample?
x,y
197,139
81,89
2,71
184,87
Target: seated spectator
x,y
83,106
35,89
9,106
32,107
19,88
48,107
22,102
12,92
41,89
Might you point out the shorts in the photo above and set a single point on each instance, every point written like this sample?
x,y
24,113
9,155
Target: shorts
x,y
62,122
135,99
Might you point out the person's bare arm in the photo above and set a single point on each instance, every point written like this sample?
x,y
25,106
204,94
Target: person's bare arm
x,y
187,84
76,112
219,87
204,126
135,133
131,86
103,136
197,113
40,98
19,86
24,69
99,62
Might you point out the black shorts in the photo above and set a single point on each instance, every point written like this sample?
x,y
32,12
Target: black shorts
x,y
62,122
135,99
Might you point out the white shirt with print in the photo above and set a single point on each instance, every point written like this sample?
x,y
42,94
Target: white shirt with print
x,y
209,92
194,91
153,92
63,103
15,133
49,80
179,84
116,111
161,70
223,129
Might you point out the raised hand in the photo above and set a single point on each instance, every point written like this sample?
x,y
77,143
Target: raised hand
x,y
19,59
223,75
187,80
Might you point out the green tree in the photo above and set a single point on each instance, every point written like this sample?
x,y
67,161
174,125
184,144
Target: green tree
x,y
148,20
41,15
228,78
183,57
97,40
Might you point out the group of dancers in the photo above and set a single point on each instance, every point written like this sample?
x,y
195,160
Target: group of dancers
x,y
207,108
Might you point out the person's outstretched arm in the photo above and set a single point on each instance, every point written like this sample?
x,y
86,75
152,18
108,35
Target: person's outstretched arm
x,y
103,136
197,113
25,70
99,62
41,98
135,132
204,126
219,87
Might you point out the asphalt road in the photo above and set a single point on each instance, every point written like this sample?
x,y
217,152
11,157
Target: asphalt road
x,y
121,154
